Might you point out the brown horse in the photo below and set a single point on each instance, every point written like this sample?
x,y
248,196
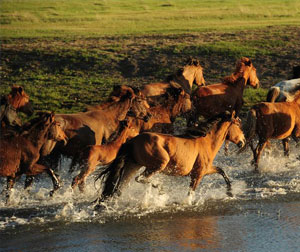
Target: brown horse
x,y
191,73
20,152
171,155
272,121
16,101
98,124
177,102
95,155
214,99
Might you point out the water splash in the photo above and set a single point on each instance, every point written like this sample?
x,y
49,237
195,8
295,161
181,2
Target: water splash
x,y
279,177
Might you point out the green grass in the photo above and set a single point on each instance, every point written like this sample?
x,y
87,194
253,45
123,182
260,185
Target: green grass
x,y
68,54
94,18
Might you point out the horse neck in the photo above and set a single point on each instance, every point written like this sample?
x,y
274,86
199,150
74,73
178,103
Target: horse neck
x,y
119,108
38,135
159,114
14,101
115,145
217,136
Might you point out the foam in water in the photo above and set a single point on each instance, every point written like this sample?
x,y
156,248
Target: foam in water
x,y
278,176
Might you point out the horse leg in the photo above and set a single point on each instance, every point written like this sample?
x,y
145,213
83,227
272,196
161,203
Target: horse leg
x,y
10,184
55,180
28,181
224,175
226,147
259,148
286,149
161,162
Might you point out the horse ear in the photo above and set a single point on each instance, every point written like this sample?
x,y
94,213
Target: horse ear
x,y
20,90
248,62
233,114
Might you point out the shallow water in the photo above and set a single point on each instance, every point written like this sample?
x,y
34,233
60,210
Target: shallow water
x,y
262,215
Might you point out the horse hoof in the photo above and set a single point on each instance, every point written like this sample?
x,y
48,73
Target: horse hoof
x,y
229,194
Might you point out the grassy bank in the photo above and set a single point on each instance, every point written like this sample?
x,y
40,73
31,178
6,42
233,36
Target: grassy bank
x,y
68,54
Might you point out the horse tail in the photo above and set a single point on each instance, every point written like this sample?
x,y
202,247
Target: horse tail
x,y
115,176
249,128
273,94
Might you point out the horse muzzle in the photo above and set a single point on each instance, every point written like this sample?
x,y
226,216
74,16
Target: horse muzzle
x,y
241,144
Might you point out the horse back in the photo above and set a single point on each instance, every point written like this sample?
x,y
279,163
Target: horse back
x,y
275,120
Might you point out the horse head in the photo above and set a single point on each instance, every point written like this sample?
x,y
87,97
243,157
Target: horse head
x,y
20,100
138,106
198,71
235,133
56,133
245,66
192,73
180,101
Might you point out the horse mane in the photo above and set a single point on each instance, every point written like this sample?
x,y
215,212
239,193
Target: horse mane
x,y
239,70
190,62
297,97
34,124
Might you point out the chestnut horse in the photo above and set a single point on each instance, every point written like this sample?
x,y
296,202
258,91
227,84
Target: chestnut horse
x,y
161,115
272,121
214,99
95,155
191,73
98,123
20,152
171,155
16,101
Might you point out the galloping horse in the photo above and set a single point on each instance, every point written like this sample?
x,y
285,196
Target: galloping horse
x,y
272,121
16,101
171,155
98,123
285,91
191,73
20,152
177,102
95,155
214,99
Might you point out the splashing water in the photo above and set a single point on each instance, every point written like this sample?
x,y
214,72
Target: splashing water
x,y
279,177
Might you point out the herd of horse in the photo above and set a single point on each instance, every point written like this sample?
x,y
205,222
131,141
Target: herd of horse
x,y
133,128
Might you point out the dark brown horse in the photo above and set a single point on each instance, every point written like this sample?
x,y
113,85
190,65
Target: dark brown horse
x,y
214,99
272,121
20,152
99,123
16,101
177,102
191,73
171,155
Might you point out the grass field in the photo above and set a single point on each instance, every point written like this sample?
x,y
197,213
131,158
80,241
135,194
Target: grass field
x,y
70,53
90,18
